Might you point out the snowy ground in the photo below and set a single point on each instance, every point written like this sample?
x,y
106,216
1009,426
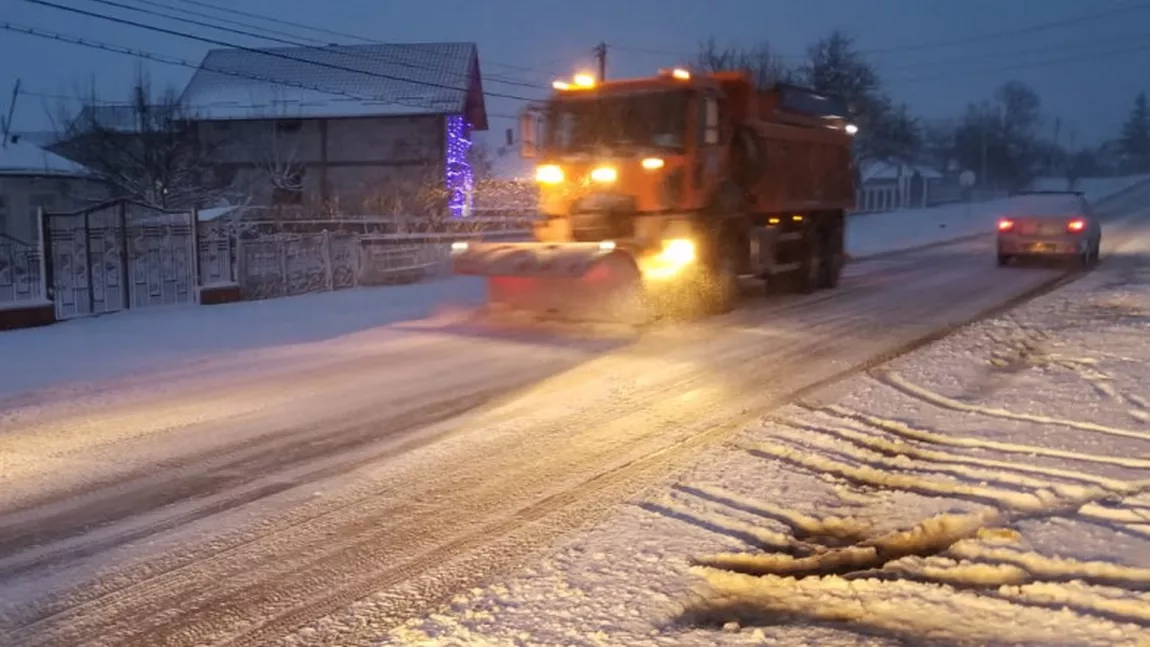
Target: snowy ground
x,y
342,479
993,488
86,353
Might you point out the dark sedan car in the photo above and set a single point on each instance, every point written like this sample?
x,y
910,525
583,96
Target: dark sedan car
x,y
1049,224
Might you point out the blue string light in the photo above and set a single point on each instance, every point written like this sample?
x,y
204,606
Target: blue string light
x,y
459,177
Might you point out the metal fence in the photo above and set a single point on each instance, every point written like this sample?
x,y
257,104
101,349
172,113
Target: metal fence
x,y
122,254
276,258
118,255
21,273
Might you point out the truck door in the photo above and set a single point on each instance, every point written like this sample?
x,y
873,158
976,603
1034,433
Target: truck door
x,y
708,137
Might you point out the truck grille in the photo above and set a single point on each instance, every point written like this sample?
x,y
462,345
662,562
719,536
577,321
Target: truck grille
x,y
595,218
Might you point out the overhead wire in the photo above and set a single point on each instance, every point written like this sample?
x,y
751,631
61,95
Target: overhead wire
x,y
175,61
264,52
321,30
1017,31
295,43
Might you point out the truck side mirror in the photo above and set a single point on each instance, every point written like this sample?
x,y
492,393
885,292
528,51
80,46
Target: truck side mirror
x,y
527,128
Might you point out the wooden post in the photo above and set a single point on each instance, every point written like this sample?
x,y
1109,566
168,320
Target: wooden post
x,y
88,261
197,280
46,283
125,258
280,241
325,251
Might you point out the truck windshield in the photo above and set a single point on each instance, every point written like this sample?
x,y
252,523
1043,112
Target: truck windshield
x,y
649,120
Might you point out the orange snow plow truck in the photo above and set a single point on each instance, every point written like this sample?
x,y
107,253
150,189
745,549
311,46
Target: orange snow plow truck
x,y
662,195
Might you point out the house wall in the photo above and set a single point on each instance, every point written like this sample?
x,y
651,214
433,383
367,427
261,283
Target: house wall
x,y
362,164
22,195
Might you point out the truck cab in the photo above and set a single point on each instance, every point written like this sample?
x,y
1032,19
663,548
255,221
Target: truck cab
x,y
610,155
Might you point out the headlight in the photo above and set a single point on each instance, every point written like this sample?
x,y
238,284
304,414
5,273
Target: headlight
x,y
604,174
679,251
549,174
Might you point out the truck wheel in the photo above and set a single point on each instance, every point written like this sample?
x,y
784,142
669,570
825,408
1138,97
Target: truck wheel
x,y
833,261
810,273
720,289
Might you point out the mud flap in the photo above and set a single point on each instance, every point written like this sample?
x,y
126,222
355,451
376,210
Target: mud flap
x,y
577,282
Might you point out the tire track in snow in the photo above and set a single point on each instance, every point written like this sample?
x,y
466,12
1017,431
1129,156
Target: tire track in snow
x,y
948,549
892,378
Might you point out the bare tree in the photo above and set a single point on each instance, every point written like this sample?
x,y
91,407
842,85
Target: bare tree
x,y
146,149
764,66
886,132
278,166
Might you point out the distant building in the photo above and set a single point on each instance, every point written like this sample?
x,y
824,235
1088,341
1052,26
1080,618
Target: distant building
x,y
365,129
886,186
32,178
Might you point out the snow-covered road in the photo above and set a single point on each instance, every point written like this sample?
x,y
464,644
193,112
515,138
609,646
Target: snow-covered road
x,y
370,481
992,488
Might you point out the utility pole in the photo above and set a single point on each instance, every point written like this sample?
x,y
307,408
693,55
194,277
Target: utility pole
x,y
600,52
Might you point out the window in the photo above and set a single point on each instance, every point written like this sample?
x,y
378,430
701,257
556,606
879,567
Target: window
x,y
710,120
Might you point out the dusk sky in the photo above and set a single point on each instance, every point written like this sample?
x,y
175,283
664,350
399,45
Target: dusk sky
x,y
935,54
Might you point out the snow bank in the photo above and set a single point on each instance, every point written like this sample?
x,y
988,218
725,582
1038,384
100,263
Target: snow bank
x,y
1094,188
148,339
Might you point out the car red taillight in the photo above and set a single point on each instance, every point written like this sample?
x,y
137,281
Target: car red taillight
x,y
1076,225
1005,224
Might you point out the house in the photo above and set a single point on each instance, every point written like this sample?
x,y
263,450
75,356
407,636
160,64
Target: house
x,y
886,186
32,178
360,129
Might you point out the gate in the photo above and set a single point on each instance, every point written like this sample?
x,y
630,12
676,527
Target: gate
x,y
20,276
119,255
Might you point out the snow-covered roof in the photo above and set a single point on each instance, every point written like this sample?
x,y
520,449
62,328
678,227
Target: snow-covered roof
x,y
882,170
19,157
336,81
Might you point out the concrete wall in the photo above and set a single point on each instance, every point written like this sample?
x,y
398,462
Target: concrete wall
x,y
364,165
21,195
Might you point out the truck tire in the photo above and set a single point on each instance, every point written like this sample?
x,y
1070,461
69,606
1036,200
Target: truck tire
x,y
719,290
810,273
833,256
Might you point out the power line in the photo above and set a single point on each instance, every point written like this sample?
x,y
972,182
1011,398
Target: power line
x,y
1040,27
263,52
171,60
154,3
294,43
1035,64
953,62
1065,22
321,30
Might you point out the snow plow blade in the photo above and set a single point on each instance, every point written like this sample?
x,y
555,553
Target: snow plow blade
x,y
567,282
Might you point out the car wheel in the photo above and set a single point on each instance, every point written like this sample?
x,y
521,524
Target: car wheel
x,y
1003,260
1085,259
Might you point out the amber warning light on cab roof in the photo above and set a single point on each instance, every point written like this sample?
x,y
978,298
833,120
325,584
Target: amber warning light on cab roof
x,y
586,80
